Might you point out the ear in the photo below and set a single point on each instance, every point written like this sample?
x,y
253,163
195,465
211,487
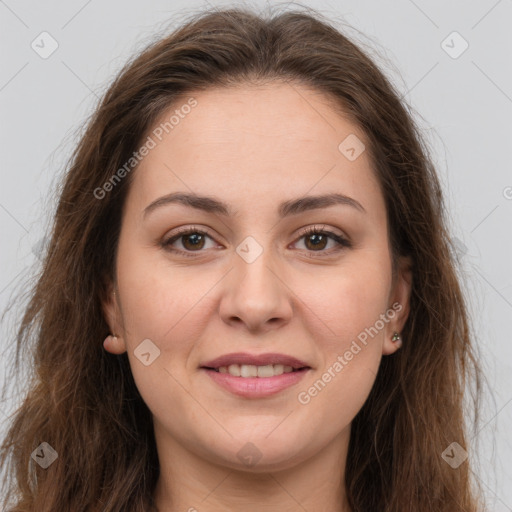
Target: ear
x,y
113,343
399,305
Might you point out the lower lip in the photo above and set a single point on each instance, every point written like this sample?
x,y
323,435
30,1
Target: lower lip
x,y
256,387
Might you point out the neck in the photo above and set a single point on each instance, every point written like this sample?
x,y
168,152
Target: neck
x,y
188,483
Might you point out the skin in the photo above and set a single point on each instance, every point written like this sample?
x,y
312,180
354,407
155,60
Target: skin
x,y
253,147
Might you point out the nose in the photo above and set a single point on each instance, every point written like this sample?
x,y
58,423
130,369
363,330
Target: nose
x,y
256,296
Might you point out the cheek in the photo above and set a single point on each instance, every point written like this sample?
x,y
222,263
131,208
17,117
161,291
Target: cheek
x,y
155,308
350,355
158,316
343,311
347,300
158,299
349,305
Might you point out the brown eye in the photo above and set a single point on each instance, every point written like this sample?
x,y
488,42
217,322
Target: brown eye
x,y
190,240
317,240
193,241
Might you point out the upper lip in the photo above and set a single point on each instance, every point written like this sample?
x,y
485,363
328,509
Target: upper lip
x,y
256,360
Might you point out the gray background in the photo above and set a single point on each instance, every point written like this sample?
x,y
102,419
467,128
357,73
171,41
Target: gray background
x,y
464,107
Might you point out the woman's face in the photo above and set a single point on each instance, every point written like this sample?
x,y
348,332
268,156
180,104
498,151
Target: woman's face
x,y
257,287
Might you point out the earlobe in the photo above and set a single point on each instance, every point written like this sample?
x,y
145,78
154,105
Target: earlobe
x,y
392,345
114,344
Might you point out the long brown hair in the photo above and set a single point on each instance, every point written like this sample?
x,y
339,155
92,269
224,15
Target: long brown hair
x,y
83,401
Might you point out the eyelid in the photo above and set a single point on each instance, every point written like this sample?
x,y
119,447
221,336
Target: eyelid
x,y
321,229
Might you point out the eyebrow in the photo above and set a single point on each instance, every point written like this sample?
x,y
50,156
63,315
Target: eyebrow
x,y
287,208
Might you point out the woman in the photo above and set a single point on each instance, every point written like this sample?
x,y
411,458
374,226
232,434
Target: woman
x,y
249,300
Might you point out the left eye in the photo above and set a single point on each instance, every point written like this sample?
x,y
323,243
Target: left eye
x,y
316,240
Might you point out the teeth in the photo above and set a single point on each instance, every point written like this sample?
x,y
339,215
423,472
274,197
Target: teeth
x,y
250,370
278,369
234,369
265,371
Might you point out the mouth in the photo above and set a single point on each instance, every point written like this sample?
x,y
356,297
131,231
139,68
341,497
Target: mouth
x,y
255,376
246,365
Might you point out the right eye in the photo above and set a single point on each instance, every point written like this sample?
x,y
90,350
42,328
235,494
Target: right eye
x,y
192,240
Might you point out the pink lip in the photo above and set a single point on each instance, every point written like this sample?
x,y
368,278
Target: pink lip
x,y
256,387
256,360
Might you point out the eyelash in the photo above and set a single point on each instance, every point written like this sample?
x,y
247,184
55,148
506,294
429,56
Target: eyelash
x,y
343,242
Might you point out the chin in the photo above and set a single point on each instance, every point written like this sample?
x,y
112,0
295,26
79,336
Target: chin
x,y
260,454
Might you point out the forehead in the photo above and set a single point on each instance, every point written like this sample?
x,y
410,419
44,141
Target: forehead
x,y
273,140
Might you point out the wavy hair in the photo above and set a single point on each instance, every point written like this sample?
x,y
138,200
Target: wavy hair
x,y
83,401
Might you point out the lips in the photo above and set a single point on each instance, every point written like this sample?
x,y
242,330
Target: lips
x,y
242,358
255,376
